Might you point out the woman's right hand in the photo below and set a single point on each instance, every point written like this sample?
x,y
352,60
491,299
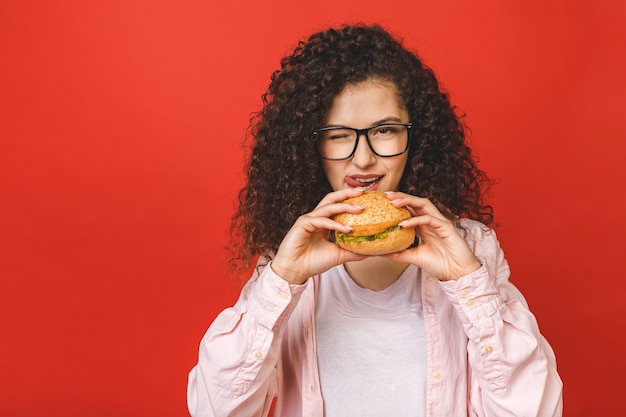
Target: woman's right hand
x,y
306,251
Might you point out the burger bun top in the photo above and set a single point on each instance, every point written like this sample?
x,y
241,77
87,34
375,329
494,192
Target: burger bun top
x,y
378,214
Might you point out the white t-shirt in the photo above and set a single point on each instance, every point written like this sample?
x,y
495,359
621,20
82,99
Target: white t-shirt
x,y
371,347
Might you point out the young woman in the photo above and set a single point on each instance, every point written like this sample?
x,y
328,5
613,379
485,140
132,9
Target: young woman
x,y
434,330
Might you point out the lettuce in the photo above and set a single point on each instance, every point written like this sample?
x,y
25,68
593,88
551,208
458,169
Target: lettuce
x,y
342,237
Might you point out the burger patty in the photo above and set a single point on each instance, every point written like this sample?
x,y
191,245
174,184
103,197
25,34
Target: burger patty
x,y
344,237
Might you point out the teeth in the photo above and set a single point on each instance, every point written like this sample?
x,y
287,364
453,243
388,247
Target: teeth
x,y
367,183
367,180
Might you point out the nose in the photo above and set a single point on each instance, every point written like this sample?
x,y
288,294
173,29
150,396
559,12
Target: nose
x,y
363,155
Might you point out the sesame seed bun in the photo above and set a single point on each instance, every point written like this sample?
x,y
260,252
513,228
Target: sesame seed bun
x,y
375,228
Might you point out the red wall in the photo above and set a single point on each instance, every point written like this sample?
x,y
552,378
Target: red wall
x,y
120,123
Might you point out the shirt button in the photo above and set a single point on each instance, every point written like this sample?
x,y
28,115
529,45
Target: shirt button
x,y
432,318
464,293
488,349
470,303
259,355
283,295
430,278
437,375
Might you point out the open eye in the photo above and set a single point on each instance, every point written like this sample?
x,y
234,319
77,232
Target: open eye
x,y
385,130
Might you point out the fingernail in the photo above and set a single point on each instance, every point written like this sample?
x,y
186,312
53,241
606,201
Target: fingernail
x,y
357,206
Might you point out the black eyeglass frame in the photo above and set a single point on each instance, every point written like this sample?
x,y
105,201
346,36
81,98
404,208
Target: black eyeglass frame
x,y
365,132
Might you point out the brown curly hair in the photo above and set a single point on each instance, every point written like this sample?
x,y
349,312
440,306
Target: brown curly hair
x,y
285,178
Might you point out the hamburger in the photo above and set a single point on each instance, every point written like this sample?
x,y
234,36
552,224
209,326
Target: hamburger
x,y
375,228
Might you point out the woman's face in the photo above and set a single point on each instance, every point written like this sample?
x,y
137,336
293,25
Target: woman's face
x,y
360,106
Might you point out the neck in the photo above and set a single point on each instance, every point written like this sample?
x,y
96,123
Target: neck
x,y
375,273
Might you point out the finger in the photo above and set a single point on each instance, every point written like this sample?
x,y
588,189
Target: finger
x,y
312,222
420,205
404,256
347,256
442,227
333,209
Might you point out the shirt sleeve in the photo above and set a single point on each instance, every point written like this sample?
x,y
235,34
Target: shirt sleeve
x,y
512,367
235,374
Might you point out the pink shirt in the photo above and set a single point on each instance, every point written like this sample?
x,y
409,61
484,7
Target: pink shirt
x,y
486,356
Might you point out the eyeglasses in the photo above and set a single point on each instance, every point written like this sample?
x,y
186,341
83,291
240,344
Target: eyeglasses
x,y
385,140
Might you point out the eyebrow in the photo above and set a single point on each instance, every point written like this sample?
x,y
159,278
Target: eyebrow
x,y
388,119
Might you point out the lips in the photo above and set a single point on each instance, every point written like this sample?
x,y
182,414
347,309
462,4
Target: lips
x,y
363,182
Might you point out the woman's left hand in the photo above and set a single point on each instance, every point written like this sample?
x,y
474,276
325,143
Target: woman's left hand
x,y
442,252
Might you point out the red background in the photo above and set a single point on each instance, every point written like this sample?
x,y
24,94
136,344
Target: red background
x,y
120,124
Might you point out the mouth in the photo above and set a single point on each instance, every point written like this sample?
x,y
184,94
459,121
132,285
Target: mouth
x,y
363,182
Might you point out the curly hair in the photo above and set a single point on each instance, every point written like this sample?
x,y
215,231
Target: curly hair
x,y
285,178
